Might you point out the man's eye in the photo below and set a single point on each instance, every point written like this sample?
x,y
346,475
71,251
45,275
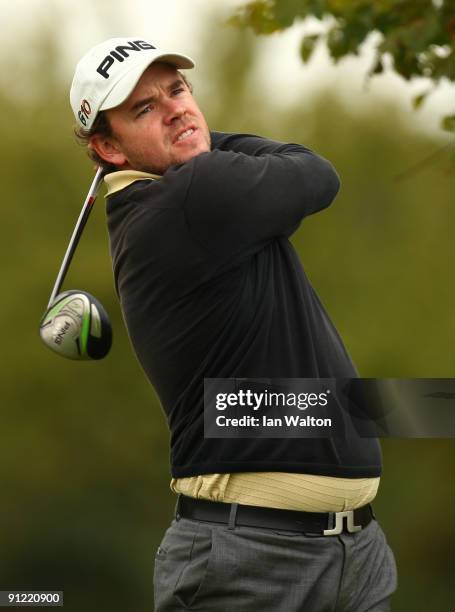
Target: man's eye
x,y
145,110
179,90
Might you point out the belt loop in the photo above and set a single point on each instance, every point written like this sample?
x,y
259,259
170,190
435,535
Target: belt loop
x,y
177,507
232,516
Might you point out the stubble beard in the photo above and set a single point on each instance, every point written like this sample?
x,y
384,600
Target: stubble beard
x,y
173,160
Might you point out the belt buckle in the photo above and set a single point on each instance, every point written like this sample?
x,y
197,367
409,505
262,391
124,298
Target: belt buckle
x,y
338,528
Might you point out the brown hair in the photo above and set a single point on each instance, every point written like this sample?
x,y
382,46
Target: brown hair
x,y
102,127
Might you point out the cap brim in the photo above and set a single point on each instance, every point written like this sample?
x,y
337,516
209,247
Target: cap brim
x,y
124,87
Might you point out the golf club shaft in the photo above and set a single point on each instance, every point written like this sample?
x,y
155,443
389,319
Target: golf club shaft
x,y
80,224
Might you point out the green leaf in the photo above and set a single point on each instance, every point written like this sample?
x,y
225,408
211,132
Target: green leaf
x,y
317,8
420,99
258,15
448,123
377,67
286,11
307,46
337,43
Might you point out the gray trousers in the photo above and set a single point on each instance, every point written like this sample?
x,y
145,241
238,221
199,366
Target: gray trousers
x,y
208,567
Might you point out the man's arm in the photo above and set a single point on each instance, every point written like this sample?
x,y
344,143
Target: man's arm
x,y
250,144
237,200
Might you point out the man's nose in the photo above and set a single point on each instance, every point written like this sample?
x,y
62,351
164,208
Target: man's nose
x,y
173,109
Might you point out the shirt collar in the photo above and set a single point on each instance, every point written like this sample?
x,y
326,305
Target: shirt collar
x,y
116,181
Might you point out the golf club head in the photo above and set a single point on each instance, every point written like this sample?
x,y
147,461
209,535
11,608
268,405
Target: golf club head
x,y
76,326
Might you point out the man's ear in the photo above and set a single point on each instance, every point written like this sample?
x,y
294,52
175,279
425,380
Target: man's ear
x,y
108,149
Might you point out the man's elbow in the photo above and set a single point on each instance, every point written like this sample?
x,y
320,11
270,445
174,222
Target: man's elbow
x,y
329,185
333,184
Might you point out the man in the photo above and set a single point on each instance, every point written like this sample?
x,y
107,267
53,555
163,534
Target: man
x,y
210,287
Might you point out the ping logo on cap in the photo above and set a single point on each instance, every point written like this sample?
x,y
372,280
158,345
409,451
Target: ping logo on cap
x,y
120,53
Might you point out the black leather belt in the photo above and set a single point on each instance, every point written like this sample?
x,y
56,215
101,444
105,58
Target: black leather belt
x,y
307,523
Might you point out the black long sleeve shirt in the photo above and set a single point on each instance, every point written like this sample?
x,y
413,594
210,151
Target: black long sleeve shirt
x,y
210,287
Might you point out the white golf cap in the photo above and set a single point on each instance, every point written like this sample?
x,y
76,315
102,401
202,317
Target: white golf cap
x,y
108,73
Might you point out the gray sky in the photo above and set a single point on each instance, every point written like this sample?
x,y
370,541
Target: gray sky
x,y
177,24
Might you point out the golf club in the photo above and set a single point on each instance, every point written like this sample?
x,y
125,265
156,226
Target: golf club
x,y
75,324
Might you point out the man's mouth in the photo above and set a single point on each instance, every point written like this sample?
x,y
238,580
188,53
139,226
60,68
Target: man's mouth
x,y
185,134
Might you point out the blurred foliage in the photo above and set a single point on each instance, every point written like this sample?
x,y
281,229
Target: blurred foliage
x,y
419,35
84,457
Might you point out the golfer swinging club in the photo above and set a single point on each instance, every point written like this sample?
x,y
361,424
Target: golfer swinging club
x,y
210,287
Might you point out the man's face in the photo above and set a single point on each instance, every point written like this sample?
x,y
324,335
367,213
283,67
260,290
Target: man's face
x,y
150,129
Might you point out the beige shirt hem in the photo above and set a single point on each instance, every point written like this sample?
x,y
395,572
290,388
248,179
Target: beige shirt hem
x,y
306,492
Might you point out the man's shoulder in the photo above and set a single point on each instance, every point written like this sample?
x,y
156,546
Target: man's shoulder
x,y
139,187
225,141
